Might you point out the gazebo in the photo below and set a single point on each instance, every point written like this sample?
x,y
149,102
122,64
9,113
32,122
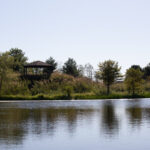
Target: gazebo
x,y
37,70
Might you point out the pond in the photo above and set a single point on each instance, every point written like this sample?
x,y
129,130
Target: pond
x,y
75,125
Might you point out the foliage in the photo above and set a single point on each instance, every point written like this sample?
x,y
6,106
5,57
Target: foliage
x,y
39,88
99,89
79,85
133,80
14,85
118,87
52,62
5,65
82,85
61,78
108,72
137,67
70,67
19,59
56,84
75,82
68,90
147,71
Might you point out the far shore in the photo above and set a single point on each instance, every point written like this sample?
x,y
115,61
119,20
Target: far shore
x,y
72,97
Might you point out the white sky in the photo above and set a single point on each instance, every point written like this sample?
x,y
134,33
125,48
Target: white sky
x,y
86,30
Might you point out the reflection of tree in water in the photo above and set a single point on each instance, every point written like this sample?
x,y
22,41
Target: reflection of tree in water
x,y
66,115
135,115
70,115
138,115
36,121
13,125
51,120
146,115
56,116
16,123
110,123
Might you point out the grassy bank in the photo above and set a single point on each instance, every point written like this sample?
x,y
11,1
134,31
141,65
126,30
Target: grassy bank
x,y
85,96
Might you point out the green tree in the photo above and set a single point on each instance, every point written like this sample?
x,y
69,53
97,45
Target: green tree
x,y
52,62
19,59
5,65
70,67
108,72
146,71
137,67
133,80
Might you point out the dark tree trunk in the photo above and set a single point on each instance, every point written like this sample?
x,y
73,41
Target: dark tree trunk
x,y
108,89
133,92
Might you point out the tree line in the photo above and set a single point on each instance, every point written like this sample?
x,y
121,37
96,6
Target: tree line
x,y
71,76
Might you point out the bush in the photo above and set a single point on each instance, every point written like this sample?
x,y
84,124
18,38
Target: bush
x,y
82,85
60,78
68,90
118,87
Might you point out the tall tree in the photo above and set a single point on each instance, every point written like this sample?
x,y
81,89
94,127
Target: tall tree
x,y
133,80
52,62
137,67
109,72
19,59
70,67
146,71
5,65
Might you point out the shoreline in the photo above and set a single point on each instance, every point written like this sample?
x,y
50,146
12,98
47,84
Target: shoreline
x,y
26,101
72,97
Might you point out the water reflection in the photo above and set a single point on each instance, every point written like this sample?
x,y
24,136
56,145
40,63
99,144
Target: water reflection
x,y
12,125
110,123
17,123
135,116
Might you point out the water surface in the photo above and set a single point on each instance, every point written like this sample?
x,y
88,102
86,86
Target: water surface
x,y
75,125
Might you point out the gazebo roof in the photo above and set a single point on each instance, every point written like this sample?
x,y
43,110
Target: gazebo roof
x,y
37,64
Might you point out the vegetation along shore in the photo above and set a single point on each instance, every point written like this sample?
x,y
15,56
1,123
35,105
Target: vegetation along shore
x,y
21,80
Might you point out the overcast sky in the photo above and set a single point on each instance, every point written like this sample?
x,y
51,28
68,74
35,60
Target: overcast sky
x,y
86,30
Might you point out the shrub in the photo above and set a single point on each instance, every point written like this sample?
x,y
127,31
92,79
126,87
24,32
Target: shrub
x,y
83,85
68,90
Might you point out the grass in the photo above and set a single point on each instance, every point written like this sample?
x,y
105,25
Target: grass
x,y
36,97
111,96
80,96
